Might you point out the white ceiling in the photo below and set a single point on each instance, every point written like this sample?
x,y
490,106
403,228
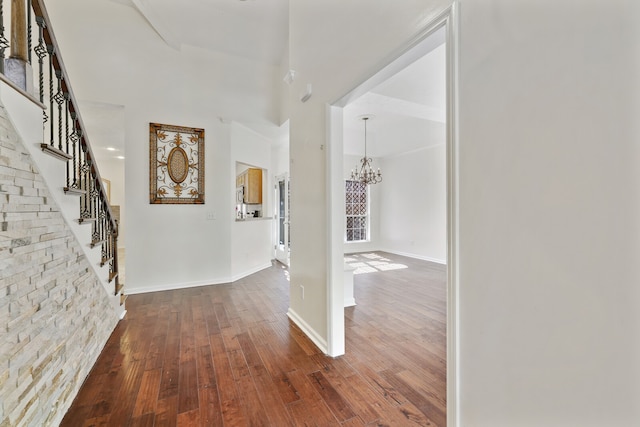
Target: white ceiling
x,y
408,108
252,29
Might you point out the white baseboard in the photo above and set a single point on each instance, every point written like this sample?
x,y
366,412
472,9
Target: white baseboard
x,y
172,286
350,302
422,257
320,342
250,272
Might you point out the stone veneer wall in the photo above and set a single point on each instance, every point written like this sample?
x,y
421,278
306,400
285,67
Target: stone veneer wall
x,y
55,315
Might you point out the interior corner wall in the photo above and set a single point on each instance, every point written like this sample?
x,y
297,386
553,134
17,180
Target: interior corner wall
x,y
549,213
251,240
413,206
375,210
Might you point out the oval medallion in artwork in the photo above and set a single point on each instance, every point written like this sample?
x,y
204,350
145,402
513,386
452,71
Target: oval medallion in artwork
x,y
178,165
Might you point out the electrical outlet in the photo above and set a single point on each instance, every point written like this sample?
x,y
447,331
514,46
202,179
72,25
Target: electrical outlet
x,y
302,291
211,216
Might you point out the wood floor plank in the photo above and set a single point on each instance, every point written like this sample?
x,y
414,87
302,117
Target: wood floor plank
x,y
428,408
362,407
147,397
171,366
167,412
270,397
189,419
188,387
210,406
340,408
146,420
228,355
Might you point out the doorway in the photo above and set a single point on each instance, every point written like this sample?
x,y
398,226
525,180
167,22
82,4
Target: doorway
x,y
282,239
441,30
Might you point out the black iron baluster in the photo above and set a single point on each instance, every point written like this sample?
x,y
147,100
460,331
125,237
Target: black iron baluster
x,y
66,134
95,234
4,43
105,245
59,98
75,137
85,185
50,51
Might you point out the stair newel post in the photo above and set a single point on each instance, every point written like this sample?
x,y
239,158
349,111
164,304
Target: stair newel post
x,y
4,43
114,262
41,52
107,239
29,25
102,215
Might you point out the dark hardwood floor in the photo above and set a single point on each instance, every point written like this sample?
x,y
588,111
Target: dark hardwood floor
x,y
227,355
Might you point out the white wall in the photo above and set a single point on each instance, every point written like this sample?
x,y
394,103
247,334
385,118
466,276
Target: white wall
x,y
375,195
280,158
413,209
549,213
548,165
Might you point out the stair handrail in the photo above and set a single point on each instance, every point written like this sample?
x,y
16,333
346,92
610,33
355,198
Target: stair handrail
x,y
82,168
40,11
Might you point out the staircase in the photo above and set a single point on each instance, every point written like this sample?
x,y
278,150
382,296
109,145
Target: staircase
x,y
37,94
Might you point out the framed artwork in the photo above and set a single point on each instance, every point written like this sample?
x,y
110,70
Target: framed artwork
x,y
176,164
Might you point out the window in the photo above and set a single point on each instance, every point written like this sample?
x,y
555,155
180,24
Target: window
x,y
357,211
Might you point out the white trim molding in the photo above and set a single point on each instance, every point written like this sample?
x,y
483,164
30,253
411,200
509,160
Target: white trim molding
x,y
415,256
308,330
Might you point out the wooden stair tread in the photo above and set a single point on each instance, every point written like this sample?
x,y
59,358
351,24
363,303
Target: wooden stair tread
x,y
123,298
74,191
104,261
113,276
55,152
87,220
96,243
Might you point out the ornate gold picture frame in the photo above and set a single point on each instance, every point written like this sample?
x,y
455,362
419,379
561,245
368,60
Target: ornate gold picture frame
x,y
176,164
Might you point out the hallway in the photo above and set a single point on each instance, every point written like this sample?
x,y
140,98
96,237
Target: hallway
x,y
228,355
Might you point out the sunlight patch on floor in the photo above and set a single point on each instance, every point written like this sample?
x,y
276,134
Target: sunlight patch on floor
x,y
370,263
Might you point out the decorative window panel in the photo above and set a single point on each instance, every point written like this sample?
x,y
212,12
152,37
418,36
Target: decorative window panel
x,y
357,211
176,164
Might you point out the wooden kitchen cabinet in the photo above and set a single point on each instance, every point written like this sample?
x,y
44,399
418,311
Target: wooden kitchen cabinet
x,y
251,179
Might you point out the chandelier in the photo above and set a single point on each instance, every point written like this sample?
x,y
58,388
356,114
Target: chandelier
x,y
364,172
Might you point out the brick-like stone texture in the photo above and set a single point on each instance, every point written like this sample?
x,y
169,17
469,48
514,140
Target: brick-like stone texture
x,y
55,316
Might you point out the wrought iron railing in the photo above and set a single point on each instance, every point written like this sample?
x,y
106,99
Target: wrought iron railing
x,y
64,132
